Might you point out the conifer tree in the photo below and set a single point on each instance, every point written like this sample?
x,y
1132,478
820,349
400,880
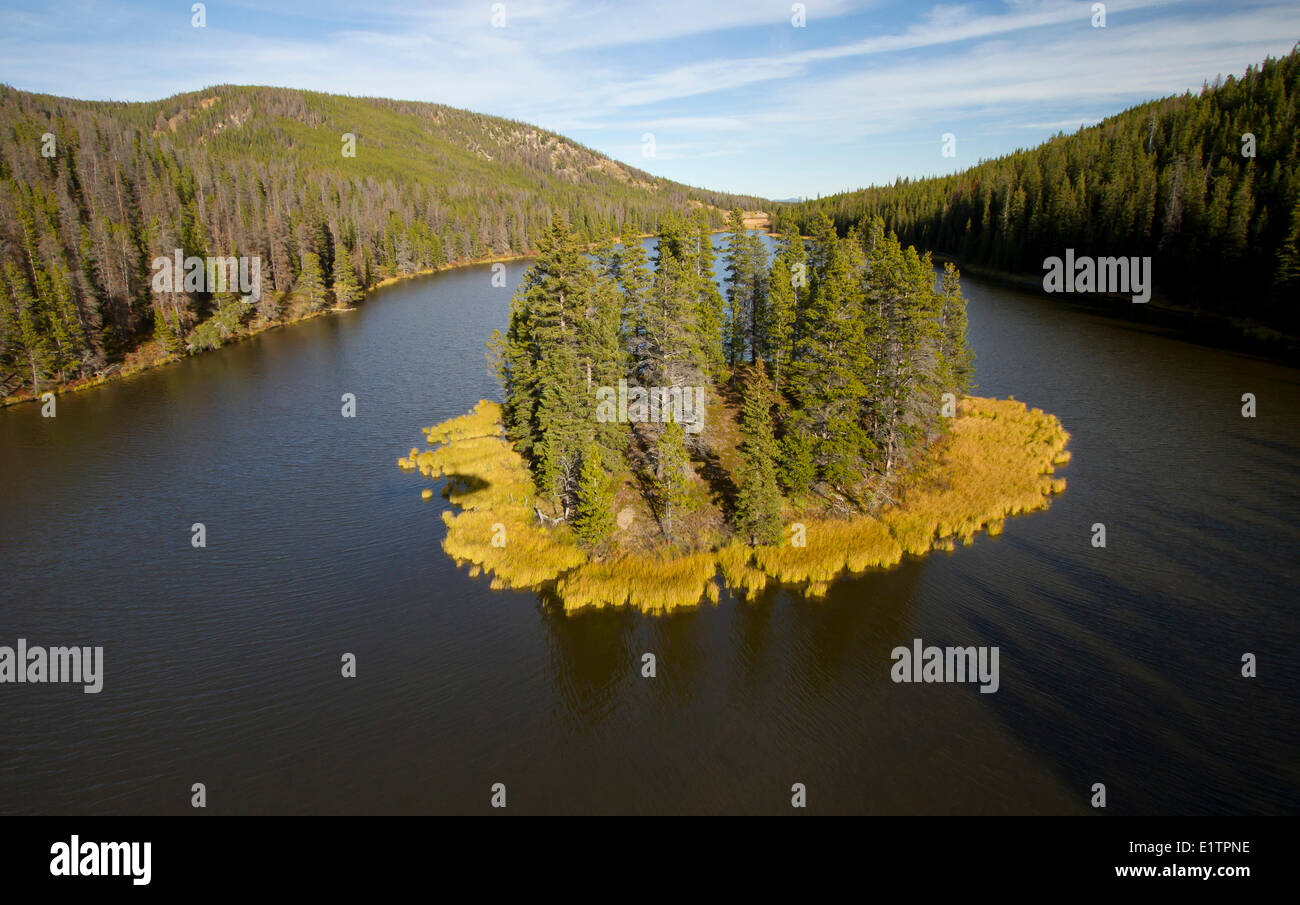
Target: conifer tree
x,y
310,281
956,368
781,310
545,356
709,308
31,339
164,332
757,289
739,285
1287,275
636,282
795,453
346,290
672,483
758,500
672,355
593,518
829,380
903,314
673,233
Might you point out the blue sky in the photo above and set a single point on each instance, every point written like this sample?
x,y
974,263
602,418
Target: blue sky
x,y
735,96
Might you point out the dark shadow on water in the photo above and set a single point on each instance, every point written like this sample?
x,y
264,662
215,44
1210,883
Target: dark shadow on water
x,y
463,483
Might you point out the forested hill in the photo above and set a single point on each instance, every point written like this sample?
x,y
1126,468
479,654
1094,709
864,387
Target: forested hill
x,y
1166,179
91,193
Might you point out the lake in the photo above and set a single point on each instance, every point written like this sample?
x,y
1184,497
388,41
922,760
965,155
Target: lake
x,y
1119,665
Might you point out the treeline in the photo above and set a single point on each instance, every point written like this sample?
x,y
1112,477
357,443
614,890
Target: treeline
x,y
840,348
92,193
1206,185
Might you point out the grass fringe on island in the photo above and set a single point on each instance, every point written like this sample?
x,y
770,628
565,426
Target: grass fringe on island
x,y
997,459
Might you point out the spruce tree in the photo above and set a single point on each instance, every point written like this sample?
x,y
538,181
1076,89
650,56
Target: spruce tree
x,y
795,452
636,281
671,353
829,381
780,316
310,281
346,290
739,285
710,312
672,483
547,355
956,369
757,289
758,500
593,518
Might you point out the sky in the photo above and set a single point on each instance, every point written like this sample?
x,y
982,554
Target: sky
x,y
760,97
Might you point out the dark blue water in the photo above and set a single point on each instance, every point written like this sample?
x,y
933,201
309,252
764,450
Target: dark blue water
x,y
1118,665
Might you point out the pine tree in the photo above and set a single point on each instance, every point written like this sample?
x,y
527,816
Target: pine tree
x,y
710,312
1287,274
165,333
739,286
781,310
671,353
757,289
636,282
346,290
795,453
758,500
310,281
672,483
828,382
31,343
593,518
956,369
544,359
903,314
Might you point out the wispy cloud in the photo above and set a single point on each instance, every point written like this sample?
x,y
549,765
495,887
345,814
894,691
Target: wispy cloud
x,y
736,95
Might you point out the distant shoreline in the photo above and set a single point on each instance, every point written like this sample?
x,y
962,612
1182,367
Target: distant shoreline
x,y
75,386
1189,324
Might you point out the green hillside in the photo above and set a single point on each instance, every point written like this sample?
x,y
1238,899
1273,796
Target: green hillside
x,y
1167,179
250,171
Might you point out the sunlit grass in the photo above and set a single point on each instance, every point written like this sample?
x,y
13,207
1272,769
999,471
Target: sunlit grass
x,y
496,531
647,582
739,570
996,460
831,548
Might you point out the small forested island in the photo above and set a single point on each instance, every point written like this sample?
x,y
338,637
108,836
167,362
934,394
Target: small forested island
x,y
655,432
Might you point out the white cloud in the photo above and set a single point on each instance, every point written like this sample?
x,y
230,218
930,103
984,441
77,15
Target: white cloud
x,y
729,79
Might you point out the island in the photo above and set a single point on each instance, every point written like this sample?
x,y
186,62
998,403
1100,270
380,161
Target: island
x,y
808,419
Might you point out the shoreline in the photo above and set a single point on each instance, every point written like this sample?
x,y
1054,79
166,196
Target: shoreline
x,y
124,371
1208,328
1006,454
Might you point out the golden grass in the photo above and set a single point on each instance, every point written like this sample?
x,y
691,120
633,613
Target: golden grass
x,y
648,582
496,531
739,570
997,459
831,548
